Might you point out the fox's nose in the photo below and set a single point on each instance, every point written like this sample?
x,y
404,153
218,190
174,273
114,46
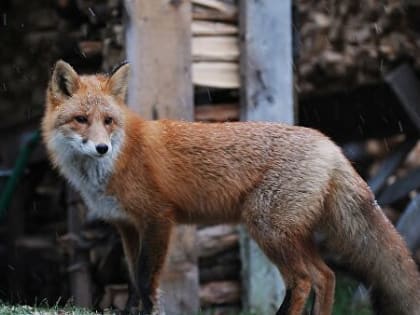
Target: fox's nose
x,y
102,148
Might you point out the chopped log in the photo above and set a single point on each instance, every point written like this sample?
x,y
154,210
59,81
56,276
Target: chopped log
x,y
115,295
215,48
225,258
219,272
220,292
213,28
216,239
90,48
208,15
217,113
216,74
217,5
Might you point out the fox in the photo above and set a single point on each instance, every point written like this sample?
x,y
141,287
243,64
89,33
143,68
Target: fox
x,y
284,183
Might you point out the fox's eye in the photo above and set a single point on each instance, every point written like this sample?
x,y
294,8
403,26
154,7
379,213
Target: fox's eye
x,y
81,119
108,120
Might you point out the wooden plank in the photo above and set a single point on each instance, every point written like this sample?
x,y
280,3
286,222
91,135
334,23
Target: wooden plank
x,y
213,28
217,112
216,74
159,49
266,95
215,48
389,165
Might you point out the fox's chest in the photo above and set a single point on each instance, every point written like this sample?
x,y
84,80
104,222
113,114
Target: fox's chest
x,y
102,206
91,180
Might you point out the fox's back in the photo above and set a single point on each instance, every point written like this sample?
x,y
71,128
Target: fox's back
x,y
208,168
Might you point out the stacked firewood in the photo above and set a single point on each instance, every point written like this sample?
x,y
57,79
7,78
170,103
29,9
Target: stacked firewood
x,y
344,43
219,265
215,52
215,47
215,74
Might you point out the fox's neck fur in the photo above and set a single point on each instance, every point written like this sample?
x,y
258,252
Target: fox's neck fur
x,y
90,175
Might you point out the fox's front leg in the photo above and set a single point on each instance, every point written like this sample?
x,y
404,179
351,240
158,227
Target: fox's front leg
x,y
146,265
130,237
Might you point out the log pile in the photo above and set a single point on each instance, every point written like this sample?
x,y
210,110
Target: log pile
x,y
351,42
219,265
215,74
88,34
215,45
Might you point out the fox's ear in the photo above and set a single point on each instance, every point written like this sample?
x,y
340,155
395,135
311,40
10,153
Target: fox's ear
x,y
64,80
118,81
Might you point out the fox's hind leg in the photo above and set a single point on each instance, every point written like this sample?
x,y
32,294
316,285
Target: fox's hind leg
x,y
288,254
299,286
285,236
324,285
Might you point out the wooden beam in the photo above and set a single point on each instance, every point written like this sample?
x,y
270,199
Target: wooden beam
x,y
159,50
266,60
266,95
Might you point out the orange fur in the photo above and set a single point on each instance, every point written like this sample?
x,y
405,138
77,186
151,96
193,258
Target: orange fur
x,y
282,182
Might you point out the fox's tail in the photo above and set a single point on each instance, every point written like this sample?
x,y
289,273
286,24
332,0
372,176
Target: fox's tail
x,y
371,246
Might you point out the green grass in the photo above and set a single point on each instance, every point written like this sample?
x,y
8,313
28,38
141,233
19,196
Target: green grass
x,y
345,289
41,310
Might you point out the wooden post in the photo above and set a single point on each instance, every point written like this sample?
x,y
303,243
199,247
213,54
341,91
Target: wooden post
x,y
158,40
266,95
80,279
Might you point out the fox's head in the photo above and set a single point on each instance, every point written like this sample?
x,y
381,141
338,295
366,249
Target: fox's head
x,y
84,115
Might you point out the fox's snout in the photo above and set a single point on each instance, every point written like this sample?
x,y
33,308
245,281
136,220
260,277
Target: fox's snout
x,y
94,147
102,148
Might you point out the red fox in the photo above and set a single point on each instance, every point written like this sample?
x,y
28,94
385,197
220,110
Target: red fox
x,y
282,182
